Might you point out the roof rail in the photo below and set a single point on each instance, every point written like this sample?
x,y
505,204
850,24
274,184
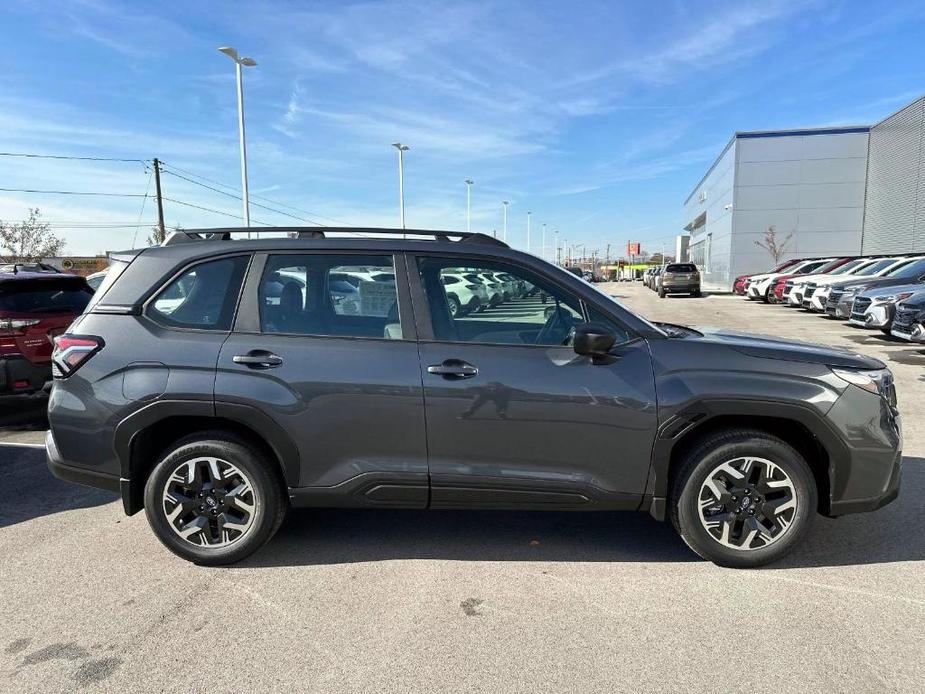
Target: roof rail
x,y
226,234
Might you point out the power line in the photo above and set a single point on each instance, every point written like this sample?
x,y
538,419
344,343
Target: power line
x,y
238,197
143,201
71,192
62,156
252,195
209,209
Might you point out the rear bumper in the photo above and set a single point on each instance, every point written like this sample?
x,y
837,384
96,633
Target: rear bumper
x,y
19,375
681,287
78,475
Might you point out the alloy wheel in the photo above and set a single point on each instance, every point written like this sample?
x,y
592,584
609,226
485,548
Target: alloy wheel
x,y
209,502
747,503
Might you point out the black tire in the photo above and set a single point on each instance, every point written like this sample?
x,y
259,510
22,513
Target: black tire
x,y
696,292
702,461
268,496
453,304
661,293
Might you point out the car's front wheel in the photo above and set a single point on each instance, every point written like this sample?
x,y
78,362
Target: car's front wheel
x,y
743,498
213,499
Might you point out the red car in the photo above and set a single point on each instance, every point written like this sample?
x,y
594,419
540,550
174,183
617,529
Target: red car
x,y
738,287
34,308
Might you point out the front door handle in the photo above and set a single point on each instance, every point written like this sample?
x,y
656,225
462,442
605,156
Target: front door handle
x,y
258,359
453,368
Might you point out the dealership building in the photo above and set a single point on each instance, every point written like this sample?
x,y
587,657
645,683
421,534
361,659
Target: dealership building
x,y
832,191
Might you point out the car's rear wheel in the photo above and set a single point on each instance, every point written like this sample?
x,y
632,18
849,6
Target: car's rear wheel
x,y
213,499
454,305
661,293
743,498
696,292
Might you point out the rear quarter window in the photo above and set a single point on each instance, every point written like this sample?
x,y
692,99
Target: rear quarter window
x,y
203,297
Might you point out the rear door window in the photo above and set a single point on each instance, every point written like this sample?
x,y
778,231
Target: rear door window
x,y
203,298
327,294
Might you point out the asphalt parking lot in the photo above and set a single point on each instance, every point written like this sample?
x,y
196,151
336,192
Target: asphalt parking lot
x,y
470,601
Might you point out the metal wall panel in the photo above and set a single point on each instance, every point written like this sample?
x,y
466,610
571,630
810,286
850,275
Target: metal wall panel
x,y
894,217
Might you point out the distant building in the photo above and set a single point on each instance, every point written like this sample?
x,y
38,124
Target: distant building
x,y
808,184
894,218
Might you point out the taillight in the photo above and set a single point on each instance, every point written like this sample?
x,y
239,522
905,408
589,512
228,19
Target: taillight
x,y
15,326
72,352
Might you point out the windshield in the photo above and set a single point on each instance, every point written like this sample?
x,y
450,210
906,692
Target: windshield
x,y
876,267
847,267
913,268
810,267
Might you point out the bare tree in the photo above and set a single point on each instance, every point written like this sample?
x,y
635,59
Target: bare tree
x,y
771,244
29,240
157,236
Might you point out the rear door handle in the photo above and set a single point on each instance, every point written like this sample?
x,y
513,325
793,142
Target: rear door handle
x,y
258,359
453,368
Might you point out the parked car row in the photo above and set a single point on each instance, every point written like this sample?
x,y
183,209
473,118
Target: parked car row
x,y
673,278
885,292
469,290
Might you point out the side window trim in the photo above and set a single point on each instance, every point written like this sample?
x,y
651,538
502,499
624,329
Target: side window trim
x,y
145,311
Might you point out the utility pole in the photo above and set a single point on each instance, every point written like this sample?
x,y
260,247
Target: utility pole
x,y
160,200
543,248
505,203
556,237
468,183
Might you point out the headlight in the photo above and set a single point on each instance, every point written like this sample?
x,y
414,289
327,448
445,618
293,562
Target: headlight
x,y
872,381
893,298
854,290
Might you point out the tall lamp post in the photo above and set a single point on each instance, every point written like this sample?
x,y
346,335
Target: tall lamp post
x,y
528,231
543,247
468,183
240,62
555,235
401,180
504,204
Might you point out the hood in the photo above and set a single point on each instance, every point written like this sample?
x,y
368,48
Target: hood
x,y
769,347
871,282
895,288
916,300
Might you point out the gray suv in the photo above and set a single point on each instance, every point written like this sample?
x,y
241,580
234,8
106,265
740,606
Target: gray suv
x,y
215,382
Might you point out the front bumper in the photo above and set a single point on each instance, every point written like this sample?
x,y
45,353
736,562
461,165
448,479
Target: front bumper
x,y
19,375
865,474
877,315
818,300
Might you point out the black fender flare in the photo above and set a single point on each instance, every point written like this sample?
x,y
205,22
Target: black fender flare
x,y
128,430
699,414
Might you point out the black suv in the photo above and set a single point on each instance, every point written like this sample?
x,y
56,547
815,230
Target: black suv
x,y
215,382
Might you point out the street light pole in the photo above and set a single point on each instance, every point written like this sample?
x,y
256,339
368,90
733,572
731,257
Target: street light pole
x,y
468,183
543,249
556,237
528,231
401,180
504,204
240,62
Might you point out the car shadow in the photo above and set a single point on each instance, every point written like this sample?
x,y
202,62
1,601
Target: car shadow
x,y
28,490
334,536
890,534
24,412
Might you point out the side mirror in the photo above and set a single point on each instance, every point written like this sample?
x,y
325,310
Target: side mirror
x,y
593,340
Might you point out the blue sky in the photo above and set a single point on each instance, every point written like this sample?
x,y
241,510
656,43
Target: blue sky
x,y
599,117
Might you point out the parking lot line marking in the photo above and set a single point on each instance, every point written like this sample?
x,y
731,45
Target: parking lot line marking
x,y
22,445
841,589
